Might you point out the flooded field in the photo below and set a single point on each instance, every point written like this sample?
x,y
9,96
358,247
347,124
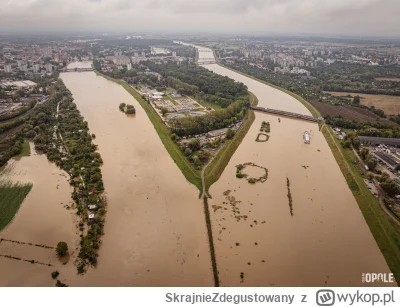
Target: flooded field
x,y
43,219
263,237
389,104
155,232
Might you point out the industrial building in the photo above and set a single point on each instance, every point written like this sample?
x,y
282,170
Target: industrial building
x,y
374,141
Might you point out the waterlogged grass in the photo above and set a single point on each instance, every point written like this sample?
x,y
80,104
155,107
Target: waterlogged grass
x,y
385,231
192,175
11,197
25,151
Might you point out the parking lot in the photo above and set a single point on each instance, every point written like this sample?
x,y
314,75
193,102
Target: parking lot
x,y
371,187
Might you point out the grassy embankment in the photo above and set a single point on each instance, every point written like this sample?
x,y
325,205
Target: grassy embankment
x,y
11,197
217,166
192,175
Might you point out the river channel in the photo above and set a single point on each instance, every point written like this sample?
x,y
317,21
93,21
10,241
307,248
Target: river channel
x,y
321,238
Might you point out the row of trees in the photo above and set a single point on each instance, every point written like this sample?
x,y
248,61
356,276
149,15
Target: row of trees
x,y
76,154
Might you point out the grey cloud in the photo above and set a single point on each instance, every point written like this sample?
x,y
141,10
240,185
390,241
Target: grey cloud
x,y
352,17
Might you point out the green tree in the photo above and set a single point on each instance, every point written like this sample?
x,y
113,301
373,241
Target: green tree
x,y
364,152
61,249
188,152
164,111
194,144
230,133
346,144
122,106
390,187
356,100
371,162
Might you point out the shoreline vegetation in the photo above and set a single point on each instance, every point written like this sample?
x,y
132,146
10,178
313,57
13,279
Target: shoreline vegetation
x,y
63,135
383,229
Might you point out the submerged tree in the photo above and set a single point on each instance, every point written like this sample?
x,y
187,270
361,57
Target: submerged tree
x,y
62,249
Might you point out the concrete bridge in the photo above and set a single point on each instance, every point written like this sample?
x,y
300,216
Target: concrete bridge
x,y
287,114
77,69
207,62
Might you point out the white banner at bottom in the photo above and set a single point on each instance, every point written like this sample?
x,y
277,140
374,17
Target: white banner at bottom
x,y
99,297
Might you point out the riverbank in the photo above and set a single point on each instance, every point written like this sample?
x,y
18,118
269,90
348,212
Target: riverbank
x,y
380,225
316,241
384,230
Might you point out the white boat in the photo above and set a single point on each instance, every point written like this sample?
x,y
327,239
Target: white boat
x,y
306,137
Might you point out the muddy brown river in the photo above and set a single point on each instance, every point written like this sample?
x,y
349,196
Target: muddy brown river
x,y
155,233
325,241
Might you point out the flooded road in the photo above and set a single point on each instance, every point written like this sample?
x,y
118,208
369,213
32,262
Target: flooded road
x,y
155,232
318,238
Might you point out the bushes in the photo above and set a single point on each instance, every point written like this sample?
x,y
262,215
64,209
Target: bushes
x,y
130,109
61,249
55,274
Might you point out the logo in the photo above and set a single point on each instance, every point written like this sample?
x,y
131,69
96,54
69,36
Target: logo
x,y
325,298
377,277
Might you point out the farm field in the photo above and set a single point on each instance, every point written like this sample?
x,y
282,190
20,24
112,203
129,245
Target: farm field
x,y
349,113
389,104
11,197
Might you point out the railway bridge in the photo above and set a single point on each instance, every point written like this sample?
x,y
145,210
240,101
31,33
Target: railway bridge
x,y
287,114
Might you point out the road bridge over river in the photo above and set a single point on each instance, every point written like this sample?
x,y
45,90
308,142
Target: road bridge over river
x,y
204,61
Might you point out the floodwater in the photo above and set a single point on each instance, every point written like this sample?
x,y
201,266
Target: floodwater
x,y
155,232
42,219
320,239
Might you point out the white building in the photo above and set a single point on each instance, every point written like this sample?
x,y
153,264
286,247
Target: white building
x,y
36,68
8,68
20,63
49,67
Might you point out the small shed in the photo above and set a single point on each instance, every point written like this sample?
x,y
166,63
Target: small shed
x,y
92,207
91,216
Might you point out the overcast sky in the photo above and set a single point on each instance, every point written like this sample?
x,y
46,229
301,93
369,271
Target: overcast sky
x,y
347,17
